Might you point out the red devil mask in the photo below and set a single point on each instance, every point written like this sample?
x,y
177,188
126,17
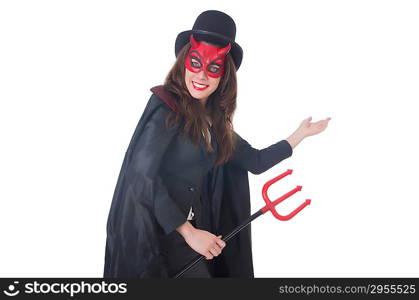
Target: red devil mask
x,y
205,57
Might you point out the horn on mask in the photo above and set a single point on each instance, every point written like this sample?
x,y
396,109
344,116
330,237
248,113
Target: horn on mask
x,y
225,50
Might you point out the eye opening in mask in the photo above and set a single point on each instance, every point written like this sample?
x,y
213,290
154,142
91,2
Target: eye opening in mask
x,y
195,62
214,68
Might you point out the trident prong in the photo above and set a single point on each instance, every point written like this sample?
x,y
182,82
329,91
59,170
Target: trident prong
x,y
271,205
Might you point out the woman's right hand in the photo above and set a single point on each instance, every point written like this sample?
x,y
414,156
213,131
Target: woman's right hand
x,y
201,241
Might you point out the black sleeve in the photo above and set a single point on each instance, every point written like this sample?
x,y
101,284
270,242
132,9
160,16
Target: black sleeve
x,y
148,156
258,161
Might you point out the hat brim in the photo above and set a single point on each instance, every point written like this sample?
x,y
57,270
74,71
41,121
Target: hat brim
x,y
236,51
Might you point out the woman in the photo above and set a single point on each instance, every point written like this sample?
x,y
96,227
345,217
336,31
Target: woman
x,y
184,179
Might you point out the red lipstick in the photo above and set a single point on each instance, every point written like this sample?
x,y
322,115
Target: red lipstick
x,y
199,88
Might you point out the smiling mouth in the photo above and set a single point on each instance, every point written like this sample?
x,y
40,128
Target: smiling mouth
x,y
199,86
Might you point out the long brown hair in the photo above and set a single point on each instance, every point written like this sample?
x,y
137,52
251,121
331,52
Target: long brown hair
x,y
220,107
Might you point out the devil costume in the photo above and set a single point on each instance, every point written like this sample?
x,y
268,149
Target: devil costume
x,y
163,174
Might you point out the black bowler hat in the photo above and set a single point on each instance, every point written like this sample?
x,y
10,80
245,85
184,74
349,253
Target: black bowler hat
x,y
215,27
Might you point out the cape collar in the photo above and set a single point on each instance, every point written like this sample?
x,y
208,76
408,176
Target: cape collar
x,y
165,95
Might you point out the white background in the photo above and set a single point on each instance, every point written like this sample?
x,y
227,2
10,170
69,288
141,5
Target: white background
x,y
75,77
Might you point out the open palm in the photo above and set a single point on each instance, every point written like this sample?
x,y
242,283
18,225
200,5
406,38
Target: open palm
x,y
308,128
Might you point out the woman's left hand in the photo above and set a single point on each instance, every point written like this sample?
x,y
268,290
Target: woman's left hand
x,y
308,128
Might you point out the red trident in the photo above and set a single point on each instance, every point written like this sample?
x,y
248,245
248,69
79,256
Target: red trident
x,y
270,206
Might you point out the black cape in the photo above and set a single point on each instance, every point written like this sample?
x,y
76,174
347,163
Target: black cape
x,y
226,200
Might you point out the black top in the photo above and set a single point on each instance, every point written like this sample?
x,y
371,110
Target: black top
x,y
196,160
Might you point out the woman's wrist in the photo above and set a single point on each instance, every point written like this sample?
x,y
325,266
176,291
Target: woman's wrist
x,y
294,139
186,229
